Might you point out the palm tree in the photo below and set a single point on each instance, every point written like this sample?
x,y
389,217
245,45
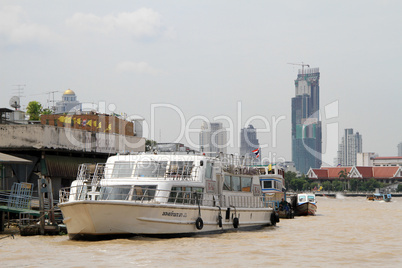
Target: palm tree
x,y
343,174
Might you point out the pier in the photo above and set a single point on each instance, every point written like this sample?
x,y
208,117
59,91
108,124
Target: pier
x,y
19,201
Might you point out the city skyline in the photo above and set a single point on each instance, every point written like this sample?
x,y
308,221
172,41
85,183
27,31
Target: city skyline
x,y
213,138
134,56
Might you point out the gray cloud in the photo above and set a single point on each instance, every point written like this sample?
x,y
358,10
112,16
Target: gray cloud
x,y
143,22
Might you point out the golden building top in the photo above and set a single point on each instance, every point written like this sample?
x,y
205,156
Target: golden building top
x,y
69,92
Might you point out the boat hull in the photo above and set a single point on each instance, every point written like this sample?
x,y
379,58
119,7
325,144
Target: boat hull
x,y
283,214
306,209
98,219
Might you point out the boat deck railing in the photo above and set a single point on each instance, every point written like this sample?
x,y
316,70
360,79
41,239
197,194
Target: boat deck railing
x,y
140,169
144,194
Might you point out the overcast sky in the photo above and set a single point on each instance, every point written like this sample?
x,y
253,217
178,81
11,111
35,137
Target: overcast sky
x,y
212,59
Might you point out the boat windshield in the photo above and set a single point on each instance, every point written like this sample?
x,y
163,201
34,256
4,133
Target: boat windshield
x,y
180,168
302,198
122,169
150,169
137,192
311,198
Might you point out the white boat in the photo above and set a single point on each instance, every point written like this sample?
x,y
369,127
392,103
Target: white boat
x,y
164,195
304,204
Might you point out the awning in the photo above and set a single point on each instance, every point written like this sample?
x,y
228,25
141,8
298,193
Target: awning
x,y
10,159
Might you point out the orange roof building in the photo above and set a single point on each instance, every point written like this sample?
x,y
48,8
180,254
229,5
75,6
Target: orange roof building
x,y
386,174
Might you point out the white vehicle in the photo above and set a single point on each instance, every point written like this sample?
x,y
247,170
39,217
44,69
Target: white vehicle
x,y
164,195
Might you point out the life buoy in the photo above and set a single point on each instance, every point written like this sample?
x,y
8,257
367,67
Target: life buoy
x,y
273,219
199,224
235,222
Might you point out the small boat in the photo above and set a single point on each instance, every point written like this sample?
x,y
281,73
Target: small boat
x,y
380,197
304,204
164,195
273,186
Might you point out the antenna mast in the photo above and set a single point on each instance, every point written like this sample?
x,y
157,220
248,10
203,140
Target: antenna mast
x,y
19,89
52,101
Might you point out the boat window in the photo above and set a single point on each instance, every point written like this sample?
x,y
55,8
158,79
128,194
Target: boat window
x,y
236,183
143,192
246,184
226,183
208,170
114,193
197,189
311,198
185,195
267,185
180,168
302,198
150,169
122,169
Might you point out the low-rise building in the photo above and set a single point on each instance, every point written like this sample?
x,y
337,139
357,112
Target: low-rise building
x,y
386,161
385,174
365,159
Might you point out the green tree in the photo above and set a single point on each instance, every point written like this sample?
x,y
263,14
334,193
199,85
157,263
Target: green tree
x,y
297,184
327,186
289,176
47,111
343,174
34,109
399,189
354,184
149,145
306,186
314,185
337,185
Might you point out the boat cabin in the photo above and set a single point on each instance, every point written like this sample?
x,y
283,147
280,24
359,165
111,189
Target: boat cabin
x,y
183,179
303,198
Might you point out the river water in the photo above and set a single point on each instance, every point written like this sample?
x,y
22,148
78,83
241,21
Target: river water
x,y
348,232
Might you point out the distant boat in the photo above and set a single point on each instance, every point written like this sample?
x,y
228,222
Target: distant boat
x,y
304,204
379,197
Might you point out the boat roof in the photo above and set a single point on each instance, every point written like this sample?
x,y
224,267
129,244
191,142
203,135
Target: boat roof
x,y
158,157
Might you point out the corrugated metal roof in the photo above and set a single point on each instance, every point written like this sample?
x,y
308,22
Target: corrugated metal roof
x,y
10,159
65,166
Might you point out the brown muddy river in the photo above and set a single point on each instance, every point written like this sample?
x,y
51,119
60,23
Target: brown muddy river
x,y
347,232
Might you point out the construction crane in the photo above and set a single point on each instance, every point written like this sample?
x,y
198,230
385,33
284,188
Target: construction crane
x,y
302,65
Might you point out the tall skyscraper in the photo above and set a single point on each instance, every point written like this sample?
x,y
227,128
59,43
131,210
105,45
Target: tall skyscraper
x,y
350,145
306,125
213,138
248,142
